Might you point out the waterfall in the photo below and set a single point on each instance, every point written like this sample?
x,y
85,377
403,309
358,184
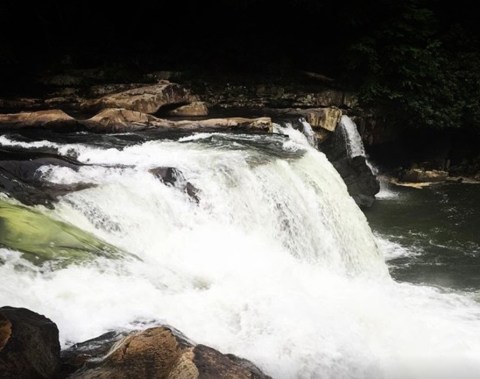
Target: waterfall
x,y
352,137
271,260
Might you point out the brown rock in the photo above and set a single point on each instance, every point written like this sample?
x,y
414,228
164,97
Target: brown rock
x,y
162,353
5,331
52,119
121,120
325,118
197,108
29,346
418,175
148,99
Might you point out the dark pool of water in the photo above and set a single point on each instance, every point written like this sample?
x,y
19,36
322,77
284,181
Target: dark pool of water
x,y
439,229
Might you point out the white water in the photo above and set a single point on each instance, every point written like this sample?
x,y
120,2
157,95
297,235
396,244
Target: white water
x,y
276,264
352,137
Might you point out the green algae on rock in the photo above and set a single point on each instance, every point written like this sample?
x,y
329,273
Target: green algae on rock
x,y
42,238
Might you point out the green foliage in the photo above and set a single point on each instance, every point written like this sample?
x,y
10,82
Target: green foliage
x,y
407,66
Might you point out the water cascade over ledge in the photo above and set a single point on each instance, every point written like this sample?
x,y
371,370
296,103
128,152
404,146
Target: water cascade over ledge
x,y
271,260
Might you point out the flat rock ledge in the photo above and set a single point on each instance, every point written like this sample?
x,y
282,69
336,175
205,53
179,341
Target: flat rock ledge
x,y
29,348
125,120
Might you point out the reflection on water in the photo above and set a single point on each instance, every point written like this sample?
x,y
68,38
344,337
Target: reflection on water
x,y
436,233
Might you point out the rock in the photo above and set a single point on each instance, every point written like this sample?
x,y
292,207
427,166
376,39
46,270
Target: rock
x,y
195,109
29,346
161,352
361,183
325,118
22,180
262,124
175,177
148,99
51,119
122,120
420,175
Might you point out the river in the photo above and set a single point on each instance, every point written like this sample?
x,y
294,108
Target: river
x,y
271,259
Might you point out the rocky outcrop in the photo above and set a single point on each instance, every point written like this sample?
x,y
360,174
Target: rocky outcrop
x,y
195,109
417,175
147,99
174,177
29,346
162,352
121,120
22,180
50,119
361,182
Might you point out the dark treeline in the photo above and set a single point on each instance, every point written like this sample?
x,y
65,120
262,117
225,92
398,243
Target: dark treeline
x,y
417,58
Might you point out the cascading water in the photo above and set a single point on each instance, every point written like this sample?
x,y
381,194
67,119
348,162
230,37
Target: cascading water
x,y
352,137
275,262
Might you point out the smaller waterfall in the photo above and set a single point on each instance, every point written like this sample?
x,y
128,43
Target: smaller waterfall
x,y
352,137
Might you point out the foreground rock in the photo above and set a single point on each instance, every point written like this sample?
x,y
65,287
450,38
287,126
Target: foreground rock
x,y
29,346
147,99
51,119
157,353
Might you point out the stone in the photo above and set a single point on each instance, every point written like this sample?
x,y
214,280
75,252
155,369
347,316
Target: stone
x,y
325,118
49,119
361,182
29,346
147,99
174,177
417,175
122,120
162,352
195,109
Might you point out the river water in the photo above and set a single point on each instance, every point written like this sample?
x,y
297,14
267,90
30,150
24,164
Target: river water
x,y
273,260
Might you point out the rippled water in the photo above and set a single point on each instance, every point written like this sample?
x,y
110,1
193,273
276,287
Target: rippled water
x,y
432,235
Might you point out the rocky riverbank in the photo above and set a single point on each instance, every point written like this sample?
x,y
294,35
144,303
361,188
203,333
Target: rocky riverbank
x,y
29,348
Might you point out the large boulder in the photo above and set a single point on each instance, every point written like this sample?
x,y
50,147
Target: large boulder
x,y
147,99
159,352
29,346
361,183
51,119
355,171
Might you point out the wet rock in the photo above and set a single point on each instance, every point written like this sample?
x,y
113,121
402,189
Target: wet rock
x,y
51,119
29,346
147,99
22,180
162,352
421,175
174,177
361,183
195,109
